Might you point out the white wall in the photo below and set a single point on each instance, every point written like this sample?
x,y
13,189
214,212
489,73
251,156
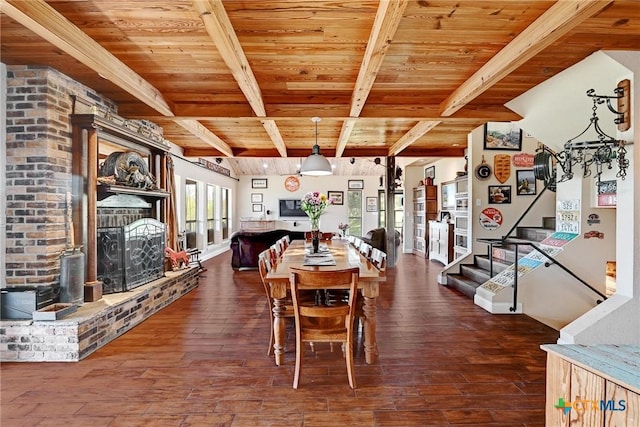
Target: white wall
x,y
617,320
544,207
558,110
3,169
186,170
334,215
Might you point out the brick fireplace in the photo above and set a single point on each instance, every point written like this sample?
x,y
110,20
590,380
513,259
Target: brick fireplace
x,y
45,168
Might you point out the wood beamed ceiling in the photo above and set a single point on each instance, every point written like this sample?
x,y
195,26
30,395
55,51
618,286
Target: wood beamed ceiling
x,y
242,79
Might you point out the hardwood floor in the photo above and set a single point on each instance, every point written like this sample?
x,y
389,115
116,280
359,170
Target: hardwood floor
x,y
202,362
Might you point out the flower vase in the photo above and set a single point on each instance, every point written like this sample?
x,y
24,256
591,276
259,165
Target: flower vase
x,y
315,240
315,234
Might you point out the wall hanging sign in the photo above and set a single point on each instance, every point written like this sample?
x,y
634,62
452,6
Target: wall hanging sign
x,y
483,170
502,167
214,167
523,160
568,216
259,183
594,233
607,193
593,219
292,183
490,218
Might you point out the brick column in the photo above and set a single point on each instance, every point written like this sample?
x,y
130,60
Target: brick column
x,y
38,171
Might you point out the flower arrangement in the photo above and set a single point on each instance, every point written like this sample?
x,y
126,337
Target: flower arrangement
x,y
343,227
313,204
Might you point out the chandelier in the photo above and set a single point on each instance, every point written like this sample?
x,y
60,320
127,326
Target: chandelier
x,y
598,154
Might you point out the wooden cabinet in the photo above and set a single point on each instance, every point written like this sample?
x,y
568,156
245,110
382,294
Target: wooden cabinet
x,y
441,241
596,385
425,208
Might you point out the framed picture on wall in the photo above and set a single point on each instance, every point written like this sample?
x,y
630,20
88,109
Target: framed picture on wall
x,y
256,207
502,136
430,172
336,197
259,183
372,204
356,184
526,182
256,197
499,194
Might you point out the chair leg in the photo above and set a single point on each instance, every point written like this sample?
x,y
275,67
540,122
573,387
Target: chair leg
x,y
296,373
350,367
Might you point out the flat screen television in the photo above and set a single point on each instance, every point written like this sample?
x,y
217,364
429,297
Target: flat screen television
x,y
291,208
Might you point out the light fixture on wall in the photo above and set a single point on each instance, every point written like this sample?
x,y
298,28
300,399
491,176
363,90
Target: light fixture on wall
x,y
316,164
601,152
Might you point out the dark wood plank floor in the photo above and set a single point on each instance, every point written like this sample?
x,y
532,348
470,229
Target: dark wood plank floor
x,y
202,362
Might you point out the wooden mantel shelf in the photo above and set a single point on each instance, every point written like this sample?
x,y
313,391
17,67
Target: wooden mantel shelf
x,y
105,190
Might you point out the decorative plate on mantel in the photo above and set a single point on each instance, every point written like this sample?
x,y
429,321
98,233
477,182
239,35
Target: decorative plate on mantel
x,y
292,183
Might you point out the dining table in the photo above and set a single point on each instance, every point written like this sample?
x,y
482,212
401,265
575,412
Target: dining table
x,y
336,254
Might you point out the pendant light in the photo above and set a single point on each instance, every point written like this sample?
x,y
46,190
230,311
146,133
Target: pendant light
x,y
316,164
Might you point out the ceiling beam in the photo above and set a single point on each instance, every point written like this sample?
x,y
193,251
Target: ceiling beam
x,y
410,137
385,25
281,112
218,25
201,132
274,133
43,20
553,24
345,134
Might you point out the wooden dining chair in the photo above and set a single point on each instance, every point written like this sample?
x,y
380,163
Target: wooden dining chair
x,y
320,323
277,250
265,263
365,249
286,241
379,259
264,266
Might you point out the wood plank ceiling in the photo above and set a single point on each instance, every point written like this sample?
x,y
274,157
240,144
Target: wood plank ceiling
x,y
242,79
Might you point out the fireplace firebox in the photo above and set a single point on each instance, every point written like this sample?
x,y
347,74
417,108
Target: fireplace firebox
x,y
130,256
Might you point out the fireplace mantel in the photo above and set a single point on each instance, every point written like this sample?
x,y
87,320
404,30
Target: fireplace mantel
x,y
105,190
93,138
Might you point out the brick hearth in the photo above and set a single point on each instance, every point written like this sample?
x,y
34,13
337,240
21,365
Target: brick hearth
x,y
94,324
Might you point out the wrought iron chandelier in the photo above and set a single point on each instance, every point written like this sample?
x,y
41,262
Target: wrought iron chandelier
x,y
602,152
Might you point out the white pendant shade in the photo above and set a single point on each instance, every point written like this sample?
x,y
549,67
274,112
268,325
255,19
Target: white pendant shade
x,y
316,164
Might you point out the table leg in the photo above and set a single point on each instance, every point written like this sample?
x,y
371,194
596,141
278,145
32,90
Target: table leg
x,y
279,329
370,344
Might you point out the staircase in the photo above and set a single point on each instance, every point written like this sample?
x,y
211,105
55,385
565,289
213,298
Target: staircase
x,y
473,275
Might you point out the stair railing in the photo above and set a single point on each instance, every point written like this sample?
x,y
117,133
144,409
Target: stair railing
x,y
500,242
508,240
